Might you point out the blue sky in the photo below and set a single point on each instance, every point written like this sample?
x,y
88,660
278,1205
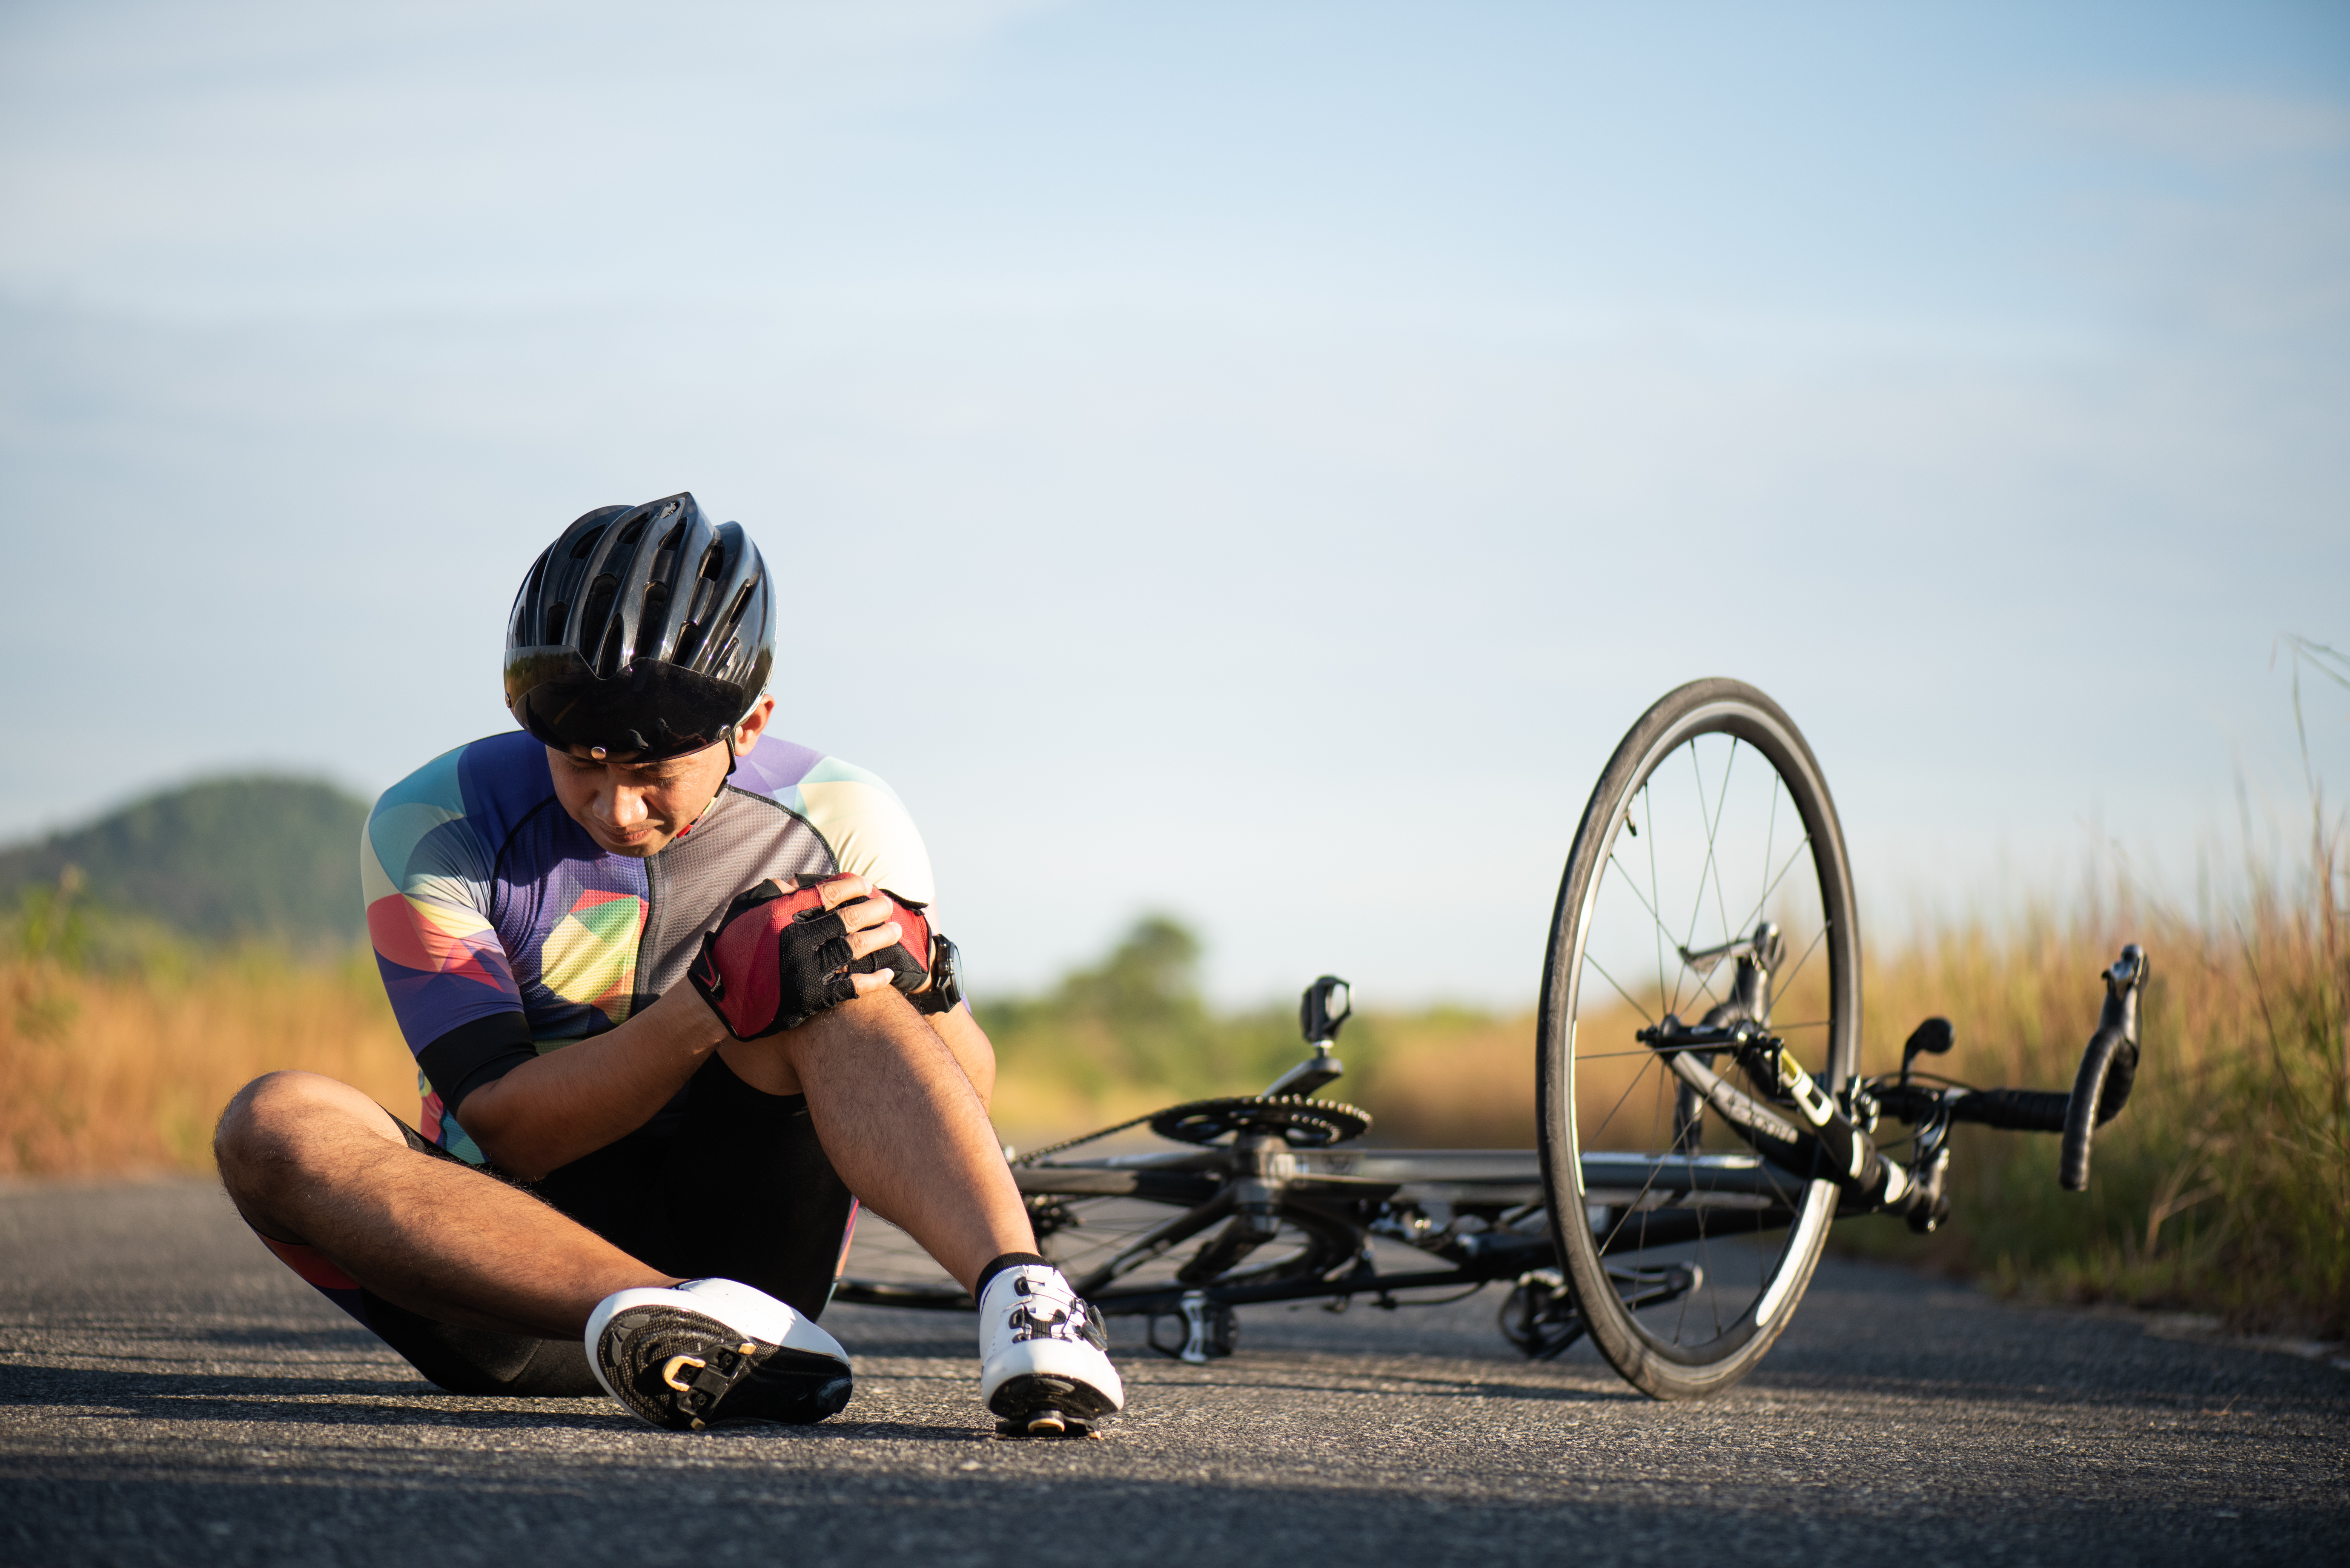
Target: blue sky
x,y
1245,459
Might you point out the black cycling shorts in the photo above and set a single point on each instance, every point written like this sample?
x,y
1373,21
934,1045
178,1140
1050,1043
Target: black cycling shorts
x,y
737,1188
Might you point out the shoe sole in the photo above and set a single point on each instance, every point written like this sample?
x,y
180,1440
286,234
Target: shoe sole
x,y
684,1371
1038,1404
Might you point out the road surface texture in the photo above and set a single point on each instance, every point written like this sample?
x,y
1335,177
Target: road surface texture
x,y
169,1394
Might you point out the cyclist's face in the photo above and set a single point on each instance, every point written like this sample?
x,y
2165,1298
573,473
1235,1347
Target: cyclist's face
x,y
637,808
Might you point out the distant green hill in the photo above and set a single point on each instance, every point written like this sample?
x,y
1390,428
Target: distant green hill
x,y
219,860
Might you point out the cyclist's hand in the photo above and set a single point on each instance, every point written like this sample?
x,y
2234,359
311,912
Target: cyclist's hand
x,y
896,944
778,958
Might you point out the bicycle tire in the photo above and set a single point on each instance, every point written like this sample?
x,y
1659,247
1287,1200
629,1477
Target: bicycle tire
x,y
1655,1345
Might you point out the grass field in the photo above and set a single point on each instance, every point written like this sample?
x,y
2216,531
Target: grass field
x,y
2225,1188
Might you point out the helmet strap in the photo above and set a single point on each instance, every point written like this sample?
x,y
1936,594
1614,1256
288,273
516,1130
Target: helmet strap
x,y
733,756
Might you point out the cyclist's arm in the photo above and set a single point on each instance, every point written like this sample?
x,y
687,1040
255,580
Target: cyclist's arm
x,y
552,1109
549,1110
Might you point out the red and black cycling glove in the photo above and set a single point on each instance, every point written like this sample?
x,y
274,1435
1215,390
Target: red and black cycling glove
x,y
778,958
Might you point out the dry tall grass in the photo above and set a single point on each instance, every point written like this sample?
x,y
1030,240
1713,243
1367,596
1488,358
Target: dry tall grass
x,y
106,1073
2225,1186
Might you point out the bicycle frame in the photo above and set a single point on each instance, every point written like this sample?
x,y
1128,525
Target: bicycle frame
x,y
1464,1206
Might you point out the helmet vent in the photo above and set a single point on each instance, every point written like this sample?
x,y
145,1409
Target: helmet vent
x,y
608,665
727,628
629,534
742,603
600,594
587,546
665,558
650,624
699,604
556,613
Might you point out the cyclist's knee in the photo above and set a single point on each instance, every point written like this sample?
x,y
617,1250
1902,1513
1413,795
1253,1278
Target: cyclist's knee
x,y
276,1124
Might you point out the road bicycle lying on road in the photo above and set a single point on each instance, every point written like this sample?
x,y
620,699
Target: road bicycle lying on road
x,y
1703,1120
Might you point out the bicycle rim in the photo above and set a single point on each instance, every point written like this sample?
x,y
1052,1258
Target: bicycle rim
x,y
1711,818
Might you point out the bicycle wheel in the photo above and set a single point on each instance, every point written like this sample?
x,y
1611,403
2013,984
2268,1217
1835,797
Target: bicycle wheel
x,y
1709,843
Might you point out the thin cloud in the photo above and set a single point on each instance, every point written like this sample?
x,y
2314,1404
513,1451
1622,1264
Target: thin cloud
x,y
2216,129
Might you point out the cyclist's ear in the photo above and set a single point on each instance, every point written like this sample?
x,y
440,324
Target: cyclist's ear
x,y
754,723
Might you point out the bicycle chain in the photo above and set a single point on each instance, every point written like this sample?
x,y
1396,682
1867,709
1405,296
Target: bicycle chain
x,y
1035,1155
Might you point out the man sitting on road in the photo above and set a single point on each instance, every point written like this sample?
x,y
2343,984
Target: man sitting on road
x,y
677,1009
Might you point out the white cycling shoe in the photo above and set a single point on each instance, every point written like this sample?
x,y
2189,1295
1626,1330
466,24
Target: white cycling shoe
x,y
1045,1368
711,1352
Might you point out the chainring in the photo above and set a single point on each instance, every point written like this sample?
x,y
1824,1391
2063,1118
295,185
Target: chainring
x,y
1301,1123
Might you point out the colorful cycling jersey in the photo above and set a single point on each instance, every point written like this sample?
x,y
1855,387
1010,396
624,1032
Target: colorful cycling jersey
x,y
504,931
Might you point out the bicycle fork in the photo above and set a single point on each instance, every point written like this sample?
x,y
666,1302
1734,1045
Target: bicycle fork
x,y
1827,1142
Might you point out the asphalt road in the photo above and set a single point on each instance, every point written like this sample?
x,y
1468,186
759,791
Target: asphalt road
x,y
169,1394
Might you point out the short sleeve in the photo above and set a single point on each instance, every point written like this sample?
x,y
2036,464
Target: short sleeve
x,y
869,828
427,873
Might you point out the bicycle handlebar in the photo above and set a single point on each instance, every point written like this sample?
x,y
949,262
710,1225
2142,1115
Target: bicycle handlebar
x,y
2014,1110
2107,1068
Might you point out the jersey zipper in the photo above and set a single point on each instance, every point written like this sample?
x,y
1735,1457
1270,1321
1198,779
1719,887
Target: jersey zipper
x,y
645,933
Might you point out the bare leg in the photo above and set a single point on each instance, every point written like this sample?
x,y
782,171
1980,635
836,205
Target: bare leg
x,y
311,1160
902,1124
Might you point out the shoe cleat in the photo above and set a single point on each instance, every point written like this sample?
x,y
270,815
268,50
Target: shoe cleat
x,y
1047,1421
712,1353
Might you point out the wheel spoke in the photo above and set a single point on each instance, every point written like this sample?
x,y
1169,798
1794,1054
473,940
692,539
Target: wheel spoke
x,y
1697,897
1647,802
1626,1094
1664,935
1817,938
1712,820
1713,861
1794,859
1655,919
1620,989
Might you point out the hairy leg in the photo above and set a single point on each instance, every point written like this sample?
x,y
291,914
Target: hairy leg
x,y
900,1122
310,1161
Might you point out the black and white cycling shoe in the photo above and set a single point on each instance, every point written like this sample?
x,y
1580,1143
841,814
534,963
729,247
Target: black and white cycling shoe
x,y
711,1352
1044,1367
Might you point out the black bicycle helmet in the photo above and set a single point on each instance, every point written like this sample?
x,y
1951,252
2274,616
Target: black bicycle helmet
x,y
643,631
